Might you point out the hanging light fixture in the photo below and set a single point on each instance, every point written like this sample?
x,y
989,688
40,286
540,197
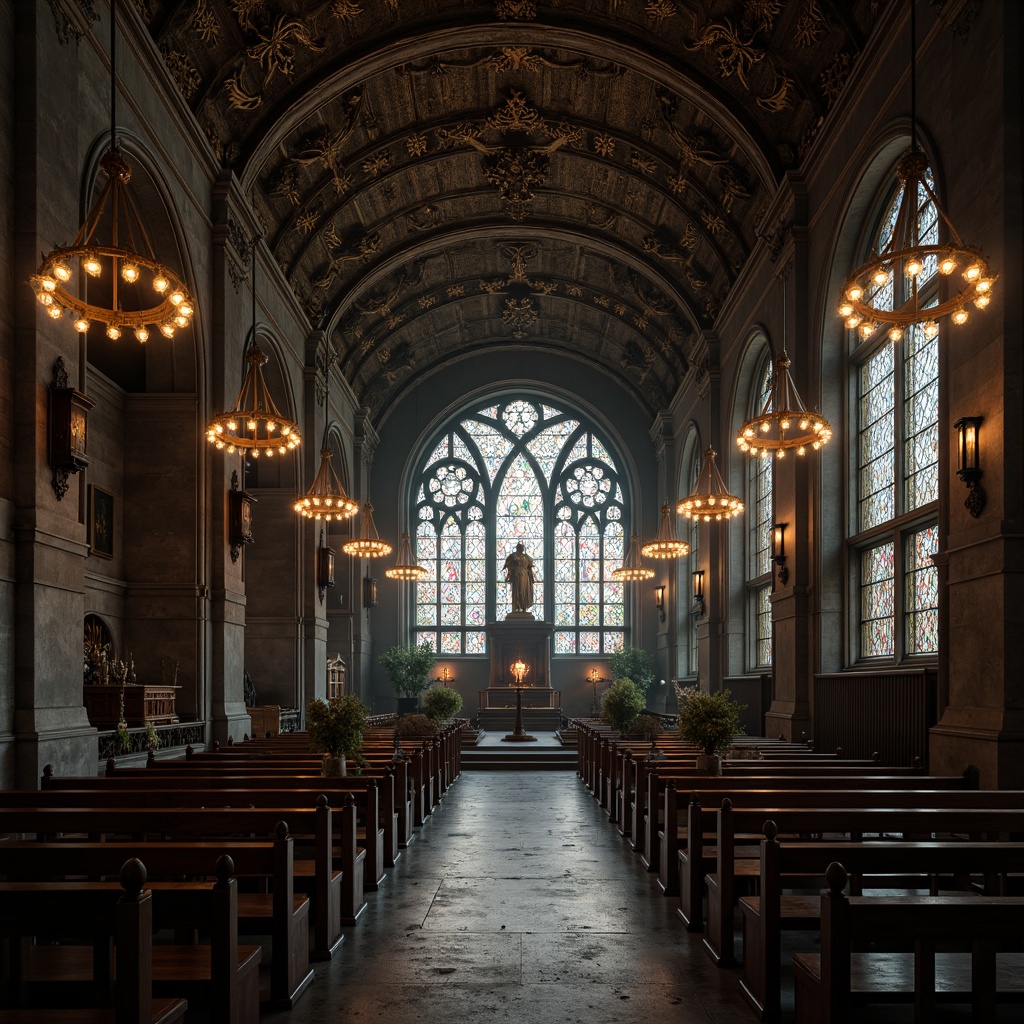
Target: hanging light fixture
x,y
145,295
326,498
633,568
253,424
666,544
405,567
784,424
368,544
905,253
710,500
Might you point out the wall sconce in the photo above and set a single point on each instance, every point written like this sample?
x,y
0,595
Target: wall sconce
x,y
445,678
779,551
239,517
369,591
659,601
968,468
324,567
68,414
698,593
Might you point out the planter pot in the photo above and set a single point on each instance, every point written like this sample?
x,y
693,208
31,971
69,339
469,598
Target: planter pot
x,y
407,705
333,766
709,764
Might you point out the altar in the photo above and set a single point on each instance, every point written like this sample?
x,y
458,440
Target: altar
x,y
523,638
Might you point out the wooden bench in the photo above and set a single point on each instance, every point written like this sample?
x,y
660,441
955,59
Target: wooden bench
x,y
854,822
279,913
129,926
336,894
908,865
222,975
828,984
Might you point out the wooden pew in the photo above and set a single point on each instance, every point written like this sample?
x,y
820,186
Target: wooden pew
x,y
334,892
222,975
855,822
828,984
892,864
129,926
280,913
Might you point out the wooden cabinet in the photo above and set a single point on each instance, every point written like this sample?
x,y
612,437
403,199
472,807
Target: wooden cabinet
x,y
143,705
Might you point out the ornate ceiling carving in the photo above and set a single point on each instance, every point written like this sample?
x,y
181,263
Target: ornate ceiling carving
x,y
584,177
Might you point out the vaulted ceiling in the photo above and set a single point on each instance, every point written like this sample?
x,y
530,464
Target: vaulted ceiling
x,y
438,178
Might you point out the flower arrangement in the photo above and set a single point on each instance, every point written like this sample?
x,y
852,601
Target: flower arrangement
x,y
336,726
710,720
622,703
409,668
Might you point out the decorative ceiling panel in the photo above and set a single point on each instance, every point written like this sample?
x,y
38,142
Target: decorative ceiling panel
x,y
439,178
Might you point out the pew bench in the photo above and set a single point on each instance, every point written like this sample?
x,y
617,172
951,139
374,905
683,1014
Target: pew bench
x,y
977,928
128,925
933,866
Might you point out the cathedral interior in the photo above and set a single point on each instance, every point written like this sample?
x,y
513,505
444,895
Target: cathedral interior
x,y
517,267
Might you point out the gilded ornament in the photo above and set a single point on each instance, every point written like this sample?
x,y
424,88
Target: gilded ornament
x,y
764,12
305,222
604,144
238,98
809,25
455,291
186,76
416,145
735,56
515,10
833,78
644,164
712,220
276,52
246,12
780,98
519,315
204,23
377,163
660,10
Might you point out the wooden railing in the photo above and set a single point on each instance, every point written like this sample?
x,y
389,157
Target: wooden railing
x,y
862,712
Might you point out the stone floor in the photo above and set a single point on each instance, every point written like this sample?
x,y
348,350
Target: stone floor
x,y
519,902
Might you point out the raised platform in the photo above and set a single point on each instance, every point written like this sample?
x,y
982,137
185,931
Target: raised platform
x,y
547,754
503,720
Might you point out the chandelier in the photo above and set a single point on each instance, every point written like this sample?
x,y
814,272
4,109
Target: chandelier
x,y
632,569
253,424
326,498
368,544
145,295
865,294
666,544
405,568
710,499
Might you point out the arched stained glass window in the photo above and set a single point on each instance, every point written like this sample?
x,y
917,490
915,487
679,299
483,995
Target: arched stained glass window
x,y
511,472
759,539
894,593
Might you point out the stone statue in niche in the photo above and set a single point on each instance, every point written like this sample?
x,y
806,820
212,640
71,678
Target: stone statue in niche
x,y
519,576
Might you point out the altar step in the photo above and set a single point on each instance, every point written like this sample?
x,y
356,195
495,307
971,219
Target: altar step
x,y
502,720
519,757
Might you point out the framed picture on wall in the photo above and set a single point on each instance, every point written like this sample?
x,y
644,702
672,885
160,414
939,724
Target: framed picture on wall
x,y
101,522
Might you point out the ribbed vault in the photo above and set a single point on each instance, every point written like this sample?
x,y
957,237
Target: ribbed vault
x,y
437,178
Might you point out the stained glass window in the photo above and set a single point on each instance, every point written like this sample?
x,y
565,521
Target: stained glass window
x,y
692,562
759,537
519,471
897,454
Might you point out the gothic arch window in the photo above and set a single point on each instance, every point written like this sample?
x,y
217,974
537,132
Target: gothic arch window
x,y
758,577
520,470
689,473
894,513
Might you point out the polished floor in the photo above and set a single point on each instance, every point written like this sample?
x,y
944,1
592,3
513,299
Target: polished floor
x,y
517,901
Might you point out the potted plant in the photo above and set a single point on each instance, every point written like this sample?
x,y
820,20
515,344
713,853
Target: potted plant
x,y
336,729
622,703
409,668
633,663
442,703
710,720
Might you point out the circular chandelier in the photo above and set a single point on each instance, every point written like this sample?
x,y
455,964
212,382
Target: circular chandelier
x,y
253,424
666,544
632,569
784,424
405,568
710,500
368,544
905,254
144,294
326,498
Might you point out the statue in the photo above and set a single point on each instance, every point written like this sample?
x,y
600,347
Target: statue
x,y
519,576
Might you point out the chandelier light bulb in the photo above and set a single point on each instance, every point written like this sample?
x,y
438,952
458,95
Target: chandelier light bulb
x,y
81,325
895,334
113,332
846,309
160,284
130,272
947,265
960,317
176,298
854,321
931,329
867,329
880,277
62,272
167,330
973,272
92,266
251,424
982,301
984,285
913,267
854,292
55,312
48,284
45,298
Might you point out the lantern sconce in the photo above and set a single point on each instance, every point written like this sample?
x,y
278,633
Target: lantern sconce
x,y
659,601
968,462
698,607
324,567
369,591
239,517
779,551
69,410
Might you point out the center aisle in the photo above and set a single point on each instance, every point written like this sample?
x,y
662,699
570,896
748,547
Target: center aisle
x,y
518,901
